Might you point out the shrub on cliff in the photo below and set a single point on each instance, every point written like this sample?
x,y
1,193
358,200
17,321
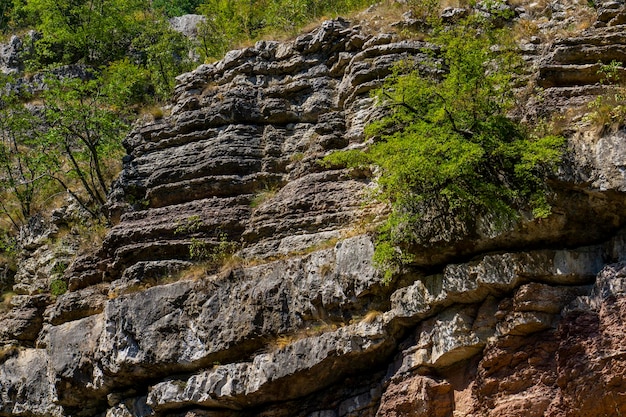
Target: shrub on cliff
x,y
447,141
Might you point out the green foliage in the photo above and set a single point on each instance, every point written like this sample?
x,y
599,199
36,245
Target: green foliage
x,y
214,255
58,287
211,253
227,22
6,8
119,37
425,9
13,15
82,132
124,83
173,8
610,72
163,54
263,195
90,31
230,22
190,225
59,268
8,246
64,144
607,111
23,182
447,142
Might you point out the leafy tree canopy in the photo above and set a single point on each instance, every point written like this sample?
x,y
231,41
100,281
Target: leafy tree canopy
x,y
69,142
176,7
108,35
90,31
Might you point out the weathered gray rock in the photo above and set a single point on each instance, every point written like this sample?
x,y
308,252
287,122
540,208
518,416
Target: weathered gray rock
x,y
25,388
189,323
274,376
24,320
254,123
494,275
187,24
128,407
76,305
77,377
10,56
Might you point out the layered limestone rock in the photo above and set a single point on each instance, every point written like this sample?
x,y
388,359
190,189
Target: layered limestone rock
x,y
524,322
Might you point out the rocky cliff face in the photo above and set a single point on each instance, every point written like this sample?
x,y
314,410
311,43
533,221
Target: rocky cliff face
x,y
529,322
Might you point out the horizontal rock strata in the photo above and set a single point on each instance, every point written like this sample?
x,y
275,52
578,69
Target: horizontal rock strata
x,y
524,322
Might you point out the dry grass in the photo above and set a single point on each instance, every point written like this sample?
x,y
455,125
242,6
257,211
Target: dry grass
x,y
284,340
262,196
525,29
195,272
585,19
7,352
326,269
371,316
379,18
607,113
153,113
5,301
90,235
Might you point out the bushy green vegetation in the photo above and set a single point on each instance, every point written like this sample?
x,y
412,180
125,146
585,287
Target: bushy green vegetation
x,y
231,22
58,287
447,141
65,141
608,111
176,7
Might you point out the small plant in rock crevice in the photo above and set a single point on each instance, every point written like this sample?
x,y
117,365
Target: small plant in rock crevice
x,y
58,287
212,254
607,112
262,196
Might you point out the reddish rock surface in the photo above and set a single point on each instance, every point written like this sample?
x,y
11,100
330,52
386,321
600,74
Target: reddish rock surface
x,y
591,357
578,370
417,396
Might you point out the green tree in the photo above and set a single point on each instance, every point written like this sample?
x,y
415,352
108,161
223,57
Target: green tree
x,y
447,141
6,9
82,135
164,53
89,31
173,8
22,169
19,16
228,21
125,83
